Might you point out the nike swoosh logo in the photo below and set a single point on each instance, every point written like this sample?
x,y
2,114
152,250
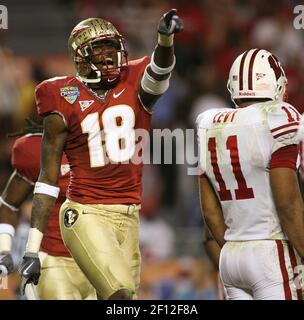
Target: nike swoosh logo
x,y
25,273
116,95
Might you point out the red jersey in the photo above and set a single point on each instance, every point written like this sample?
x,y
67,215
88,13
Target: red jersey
x,y
101,142
26,161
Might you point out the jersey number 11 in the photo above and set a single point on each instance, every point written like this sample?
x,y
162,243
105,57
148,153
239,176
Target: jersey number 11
x,y
242,192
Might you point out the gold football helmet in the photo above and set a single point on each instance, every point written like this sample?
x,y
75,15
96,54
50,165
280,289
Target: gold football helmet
x,y
98,51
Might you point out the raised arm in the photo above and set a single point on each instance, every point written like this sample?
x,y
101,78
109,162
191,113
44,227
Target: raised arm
x,y
45,193
155,80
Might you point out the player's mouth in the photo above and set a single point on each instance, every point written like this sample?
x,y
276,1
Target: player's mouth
x,y
108,65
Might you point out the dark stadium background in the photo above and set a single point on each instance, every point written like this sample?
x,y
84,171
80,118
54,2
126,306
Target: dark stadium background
x,y
34,47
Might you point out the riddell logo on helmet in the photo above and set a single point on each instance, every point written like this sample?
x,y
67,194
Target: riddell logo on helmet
x,y
298,21
3,17
247,94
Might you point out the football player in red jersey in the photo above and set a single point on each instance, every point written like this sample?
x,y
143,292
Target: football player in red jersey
x,y
106,102
60,277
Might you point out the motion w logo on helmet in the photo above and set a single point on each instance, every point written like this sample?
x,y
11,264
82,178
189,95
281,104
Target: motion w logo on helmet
x,y
3,17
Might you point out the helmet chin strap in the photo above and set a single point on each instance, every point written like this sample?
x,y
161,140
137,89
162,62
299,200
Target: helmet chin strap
x,y
106,84
87,80
96,79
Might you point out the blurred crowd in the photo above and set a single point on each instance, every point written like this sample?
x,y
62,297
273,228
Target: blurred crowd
x,y
216,32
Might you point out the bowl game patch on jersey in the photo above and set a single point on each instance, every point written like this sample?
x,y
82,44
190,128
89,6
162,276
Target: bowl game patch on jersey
x,y
70,94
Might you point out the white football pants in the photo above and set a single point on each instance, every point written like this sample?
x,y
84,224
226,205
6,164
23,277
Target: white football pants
x,y
261,270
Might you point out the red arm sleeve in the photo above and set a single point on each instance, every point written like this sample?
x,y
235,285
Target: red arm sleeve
x,y
47,96
137,68
141,68
26,157
285,157
44,99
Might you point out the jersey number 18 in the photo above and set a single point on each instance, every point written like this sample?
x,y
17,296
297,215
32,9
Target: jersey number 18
x,y
113,132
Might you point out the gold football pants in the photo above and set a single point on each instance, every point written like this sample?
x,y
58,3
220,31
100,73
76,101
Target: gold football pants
x,y
62,279
104,241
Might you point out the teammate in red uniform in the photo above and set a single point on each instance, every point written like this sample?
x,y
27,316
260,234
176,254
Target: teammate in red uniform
x,y
93,118
58,267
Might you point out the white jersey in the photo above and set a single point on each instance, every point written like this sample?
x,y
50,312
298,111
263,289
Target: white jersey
x,y
236,147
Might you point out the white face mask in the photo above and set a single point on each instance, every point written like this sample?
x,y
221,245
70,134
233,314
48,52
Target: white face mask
x,y
106,64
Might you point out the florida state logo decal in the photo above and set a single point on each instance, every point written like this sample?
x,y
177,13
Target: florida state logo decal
x,y
70,217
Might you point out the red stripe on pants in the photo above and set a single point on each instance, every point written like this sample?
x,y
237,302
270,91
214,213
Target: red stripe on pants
x,y
283,270
293,261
